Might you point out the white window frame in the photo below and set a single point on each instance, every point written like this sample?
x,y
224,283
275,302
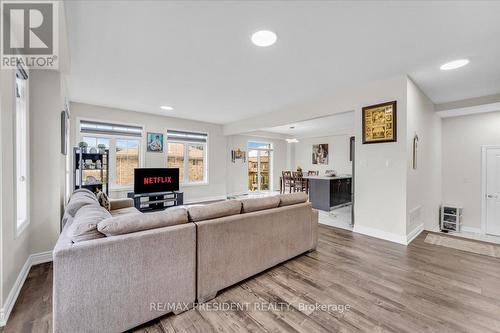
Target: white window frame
x,y
21,226
270,151
112,150
186,182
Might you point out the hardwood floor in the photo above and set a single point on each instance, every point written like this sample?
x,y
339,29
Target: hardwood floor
x,y
389,288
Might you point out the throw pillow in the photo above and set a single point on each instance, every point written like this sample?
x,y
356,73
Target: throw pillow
x,y
84,225
104,200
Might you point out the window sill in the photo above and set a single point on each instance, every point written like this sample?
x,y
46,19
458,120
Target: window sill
x,y
21,228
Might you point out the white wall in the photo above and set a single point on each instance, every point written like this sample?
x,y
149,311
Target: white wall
x,y
216,187
461,172
424,183
338,154
237,173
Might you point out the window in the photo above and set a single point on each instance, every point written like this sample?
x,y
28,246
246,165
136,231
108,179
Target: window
x,y
21,150
127,159
124,144
188,152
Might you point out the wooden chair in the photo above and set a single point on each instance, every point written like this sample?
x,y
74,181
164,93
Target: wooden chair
x,y
299,183
286,180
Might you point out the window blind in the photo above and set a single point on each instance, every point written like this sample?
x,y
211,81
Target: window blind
x,y
173,135
110,129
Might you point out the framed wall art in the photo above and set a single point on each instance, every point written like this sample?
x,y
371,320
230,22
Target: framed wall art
x,y
380,123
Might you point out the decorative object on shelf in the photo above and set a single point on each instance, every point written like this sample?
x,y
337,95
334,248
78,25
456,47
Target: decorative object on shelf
x,y
93,150
415,151
238,154
379,123
83,146
330,173
99,164
451,218
320,153
90,180
155,142
64,131
102,148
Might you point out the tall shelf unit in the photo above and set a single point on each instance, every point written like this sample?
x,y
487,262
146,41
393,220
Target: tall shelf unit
x,y
91,170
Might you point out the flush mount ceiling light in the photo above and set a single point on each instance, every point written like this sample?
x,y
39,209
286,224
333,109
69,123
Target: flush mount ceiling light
x,y
264,38
166,107
454,64
292,140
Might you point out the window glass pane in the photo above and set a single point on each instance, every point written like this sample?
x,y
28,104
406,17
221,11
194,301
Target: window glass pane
x,y
95,141
175,158
127,159
21,153
260,145
196,154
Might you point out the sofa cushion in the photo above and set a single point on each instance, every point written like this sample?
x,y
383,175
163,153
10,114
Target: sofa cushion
x,y
255,204
214,210
124,211
84,225
77,201
293,198
128,223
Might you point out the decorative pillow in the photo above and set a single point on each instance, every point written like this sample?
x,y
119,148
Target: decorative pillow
x,y
293,198
214,210
78,201
84,225
103,200
125,224
255,204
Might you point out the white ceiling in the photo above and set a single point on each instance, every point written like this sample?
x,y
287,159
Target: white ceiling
x,y
340,123
197,55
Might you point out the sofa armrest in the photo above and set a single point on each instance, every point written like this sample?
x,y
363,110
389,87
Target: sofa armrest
x,y
121,203
314,228
113,284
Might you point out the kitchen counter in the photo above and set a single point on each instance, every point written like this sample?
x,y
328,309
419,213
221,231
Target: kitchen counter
x,y
327,192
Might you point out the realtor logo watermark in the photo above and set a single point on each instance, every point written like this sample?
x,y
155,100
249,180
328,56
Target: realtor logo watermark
x,y
30,34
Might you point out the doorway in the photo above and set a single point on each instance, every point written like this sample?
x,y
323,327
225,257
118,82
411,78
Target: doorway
x,y
259,166
491,190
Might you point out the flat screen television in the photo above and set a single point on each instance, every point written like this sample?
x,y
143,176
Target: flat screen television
x,y
150,180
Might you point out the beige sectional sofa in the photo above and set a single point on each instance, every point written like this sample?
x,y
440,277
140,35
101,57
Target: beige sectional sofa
x,y
116,270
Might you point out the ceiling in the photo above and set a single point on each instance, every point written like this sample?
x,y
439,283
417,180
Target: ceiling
x,y
340,123
197,55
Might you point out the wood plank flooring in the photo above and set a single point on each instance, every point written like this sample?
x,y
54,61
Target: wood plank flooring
x,y
389,288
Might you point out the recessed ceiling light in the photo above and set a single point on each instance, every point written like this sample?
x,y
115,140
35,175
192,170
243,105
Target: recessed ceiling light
x,y
454,64
166,107
264,38
292,140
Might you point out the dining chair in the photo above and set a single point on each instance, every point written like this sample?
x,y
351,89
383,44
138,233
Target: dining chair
x,y
286,180
299,183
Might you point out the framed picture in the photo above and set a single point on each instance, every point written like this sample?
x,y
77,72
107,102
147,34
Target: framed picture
x,y
320,153
155,142
379,123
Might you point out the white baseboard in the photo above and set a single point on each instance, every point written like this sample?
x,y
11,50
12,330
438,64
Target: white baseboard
x,y
205,199
414,233
470,229
388,236
34,259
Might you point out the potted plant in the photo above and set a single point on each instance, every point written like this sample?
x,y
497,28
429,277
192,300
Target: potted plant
x,y
299,169
83,146
102,148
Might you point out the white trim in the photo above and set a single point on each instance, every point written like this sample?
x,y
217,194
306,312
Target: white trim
x,y
463,111
205,199
414,233
471,230
388,236
34,259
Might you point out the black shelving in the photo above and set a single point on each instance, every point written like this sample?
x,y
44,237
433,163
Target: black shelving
x,y
82,170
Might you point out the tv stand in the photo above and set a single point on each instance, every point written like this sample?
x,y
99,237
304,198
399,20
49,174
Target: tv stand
x,y
149,202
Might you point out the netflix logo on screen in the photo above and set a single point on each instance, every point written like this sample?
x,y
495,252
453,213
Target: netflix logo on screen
x,y
153,180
